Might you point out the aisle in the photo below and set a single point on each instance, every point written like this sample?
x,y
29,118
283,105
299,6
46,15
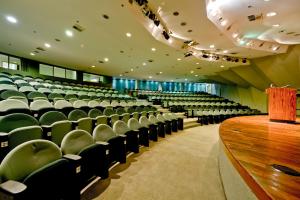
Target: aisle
x,y
182,166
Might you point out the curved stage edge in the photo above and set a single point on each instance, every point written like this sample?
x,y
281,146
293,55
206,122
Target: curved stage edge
x,y
249,147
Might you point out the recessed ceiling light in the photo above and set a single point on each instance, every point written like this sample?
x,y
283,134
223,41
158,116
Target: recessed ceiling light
x,y
211,46
225,51
160,72
178,59
234,35
69,33
11,19
192,71
271,14
197,63
196,75
32,54
153,49
93,66
131,69
144,64
222,66
275,25
150,76
47,45
128,34
172,80
82,45
266,0
106,59
121,75
185,79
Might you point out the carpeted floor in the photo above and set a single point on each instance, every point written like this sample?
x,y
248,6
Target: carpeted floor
x,y
182,166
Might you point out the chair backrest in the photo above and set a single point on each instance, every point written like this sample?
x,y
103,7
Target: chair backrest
x,y
44,90
77,114
11,93
79,104
133,124
27,158
167,116
120,127
135,115
114,118
36,95
60,104
125,117
16,120
53,96
26,89
75,141
160,118
94,112
108,111
104,104
93,104
120,111
8,87
40,104
13,104
103,133
144,121
153,119
50,117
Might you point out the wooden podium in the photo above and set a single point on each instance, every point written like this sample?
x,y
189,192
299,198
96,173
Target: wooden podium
x,y
282,104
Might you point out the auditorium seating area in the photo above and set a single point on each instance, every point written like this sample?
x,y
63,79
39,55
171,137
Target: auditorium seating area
x,y
66,129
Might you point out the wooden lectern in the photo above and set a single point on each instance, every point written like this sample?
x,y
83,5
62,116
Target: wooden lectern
x,y
282,104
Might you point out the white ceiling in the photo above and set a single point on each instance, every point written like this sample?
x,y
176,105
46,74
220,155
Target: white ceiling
x,y
43,21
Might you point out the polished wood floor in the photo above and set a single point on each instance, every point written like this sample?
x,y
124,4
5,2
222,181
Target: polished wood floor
x,y
254,144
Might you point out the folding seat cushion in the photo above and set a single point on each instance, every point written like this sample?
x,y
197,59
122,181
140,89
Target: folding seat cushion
x,y
63,106
55,97
39,171
19,128
58,91
8,87
84,97
120,111
134,125
174,125
114,103
26,89
108,111
104,104
55,125
125,117
11,94
94,156
39,107
113,118
123,103
132,140
44,90
36,96
152,128
103,119
13,106
117,143
70,96
160,125
93,104
81,120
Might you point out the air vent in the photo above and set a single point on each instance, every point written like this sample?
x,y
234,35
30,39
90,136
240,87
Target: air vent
x,y
40,48
78,28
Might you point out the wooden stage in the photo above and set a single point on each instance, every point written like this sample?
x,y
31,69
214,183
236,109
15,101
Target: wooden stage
x,y
253,144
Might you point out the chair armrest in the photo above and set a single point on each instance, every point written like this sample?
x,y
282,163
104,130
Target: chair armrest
x,y
12,190
105,145
75,161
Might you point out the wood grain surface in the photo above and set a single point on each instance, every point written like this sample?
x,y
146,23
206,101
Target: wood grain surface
x,y
253,144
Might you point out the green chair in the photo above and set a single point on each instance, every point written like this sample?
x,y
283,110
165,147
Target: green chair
x,y
160,125
132,140
39,107
108,111
173,121
113,118
11,94
32,96
81,120
117,143
144,121
94,113
55,125
16,129
120,111
13,106
134,125
55,97
166,122
37,170
136,115
94,156
63,106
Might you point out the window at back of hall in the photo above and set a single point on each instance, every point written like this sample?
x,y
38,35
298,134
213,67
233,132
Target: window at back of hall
x,y
92,78
14,63
71,74
46,70
59,72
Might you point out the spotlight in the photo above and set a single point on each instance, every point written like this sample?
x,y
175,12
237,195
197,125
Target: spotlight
x,y
156,22
244,60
